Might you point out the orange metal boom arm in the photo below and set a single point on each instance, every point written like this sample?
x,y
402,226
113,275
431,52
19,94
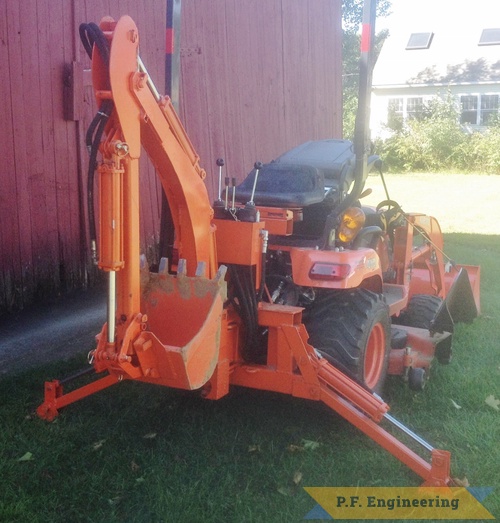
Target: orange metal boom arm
x,y
153,123
140,117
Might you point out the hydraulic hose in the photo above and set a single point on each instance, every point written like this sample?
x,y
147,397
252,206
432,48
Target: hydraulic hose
x,y
262,277
92,37
244,293
265,239
244,308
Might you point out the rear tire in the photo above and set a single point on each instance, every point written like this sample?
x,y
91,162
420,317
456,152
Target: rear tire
x,y
352,329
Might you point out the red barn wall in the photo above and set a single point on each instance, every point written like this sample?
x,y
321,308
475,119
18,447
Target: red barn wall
x,y
257,77
43,172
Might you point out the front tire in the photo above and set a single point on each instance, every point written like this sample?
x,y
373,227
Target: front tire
x,y
352,329
421,310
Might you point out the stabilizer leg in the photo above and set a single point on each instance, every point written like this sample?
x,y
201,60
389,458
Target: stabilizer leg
x,y
55,398
297,369
436,473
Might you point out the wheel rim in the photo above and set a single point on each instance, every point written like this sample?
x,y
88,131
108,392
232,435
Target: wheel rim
x,y
374,356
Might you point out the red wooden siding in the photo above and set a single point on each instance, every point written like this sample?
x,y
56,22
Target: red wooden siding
x,y
43,217
257,77
149,15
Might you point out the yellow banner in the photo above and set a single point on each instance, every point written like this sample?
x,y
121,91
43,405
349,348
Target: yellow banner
x,y
399,503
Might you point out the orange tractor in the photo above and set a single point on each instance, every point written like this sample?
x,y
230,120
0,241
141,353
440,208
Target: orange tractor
x,y
285,284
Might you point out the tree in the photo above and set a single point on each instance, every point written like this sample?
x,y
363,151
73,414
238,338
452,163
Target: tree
x,y
352,15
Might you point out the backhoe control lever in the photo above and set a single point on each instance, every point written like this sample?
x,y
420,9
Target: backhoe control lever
x,y
258,167
220,210
220,165
249,213
233,183
227,192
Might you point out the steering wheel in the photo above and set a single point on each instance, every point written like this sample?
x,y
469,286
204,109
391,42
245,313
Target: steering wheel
x,y
388,205
390,213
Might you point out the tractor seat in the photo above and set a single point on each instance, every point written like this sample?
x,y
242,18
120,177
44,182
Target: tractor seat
x,y
309,174
282,185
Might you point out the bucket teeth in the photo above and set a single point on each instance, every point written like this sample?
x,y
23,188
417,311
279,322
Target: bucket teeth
x,y
163,267
201,269
182,267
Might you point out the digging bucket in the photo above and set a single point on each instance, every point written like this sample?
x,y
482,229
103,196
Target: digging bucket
x,y
180,345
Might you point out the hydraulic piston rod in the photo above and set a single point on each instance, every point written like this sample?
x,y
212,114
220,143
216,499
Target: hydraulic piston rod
x,y
151,85
409,432
111,308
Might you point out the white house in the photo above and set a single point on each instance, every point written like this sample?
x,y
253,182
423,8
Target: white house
x,y
428,54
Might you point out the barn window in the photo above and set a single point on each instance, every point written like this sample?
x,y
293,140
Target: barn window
x,y
490,37
419,41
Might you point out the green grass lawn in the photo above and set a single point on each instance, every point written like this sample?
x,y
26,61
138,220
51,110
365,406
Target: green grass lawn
x,y
139,453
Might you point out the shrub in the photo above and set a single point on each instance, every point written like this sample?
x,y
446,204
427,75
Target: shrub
x,y
481,152
435,141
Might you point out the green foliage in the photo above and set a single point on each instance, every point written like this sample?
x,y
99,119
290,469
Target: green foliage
x,y
352,13
481,152
427,143
436,141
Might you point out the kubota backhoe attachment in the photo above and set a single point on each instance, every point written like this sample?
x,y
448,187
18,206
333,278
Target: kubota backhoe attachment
x,y
175,327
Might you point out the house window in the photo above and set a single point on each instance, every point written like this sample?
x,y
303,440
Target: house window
x,y
419,41
402,109
477,109
469,109
395,113
414,107
489,107
490,37
396,106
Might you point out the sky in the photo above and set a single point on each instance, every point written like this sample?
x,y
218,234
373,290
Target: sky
x,y
427,13
456,32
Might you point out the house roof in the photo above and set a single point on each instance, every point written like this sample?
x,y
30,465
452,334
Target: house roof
x,y
453,56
